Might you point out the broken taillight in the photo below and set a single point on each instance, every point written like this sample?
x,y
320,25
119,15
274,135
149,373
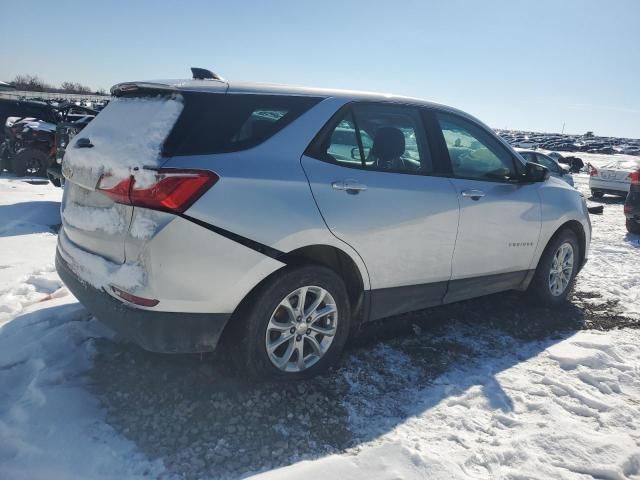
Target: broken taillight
x,y
171,190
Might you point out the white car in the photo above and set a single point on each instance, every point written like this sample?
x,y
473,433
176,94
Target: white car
x,y
613,178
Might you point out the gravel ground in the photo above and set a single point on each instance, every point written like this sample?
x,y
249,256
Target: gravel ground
x,y
192,412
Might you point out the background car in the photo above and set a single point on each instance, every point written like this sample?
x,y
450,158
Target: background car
x,y
614,178
632,204
555,169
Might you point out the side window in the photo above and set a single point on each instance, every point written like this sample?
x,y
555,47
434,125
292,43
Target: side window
x,y
379,137
213,123
342,146
473,152
528,156
547,162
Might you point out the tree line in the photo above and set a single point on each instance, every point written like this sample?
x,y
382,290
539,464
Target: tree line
x,y
33,83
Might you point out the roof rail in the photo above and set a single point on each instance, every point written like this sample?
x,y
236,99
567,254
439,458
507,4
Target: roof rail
x,y
204,74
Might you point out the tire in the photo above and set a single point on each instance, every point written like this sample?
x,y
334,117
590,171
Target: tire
x,y
633,226
596,194
30,161
253,326
55,181
540,290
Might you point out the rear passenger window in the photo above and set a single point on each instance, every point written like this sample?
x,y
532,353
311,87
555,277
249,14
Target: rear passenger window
x,y
378,137
218,123
473,152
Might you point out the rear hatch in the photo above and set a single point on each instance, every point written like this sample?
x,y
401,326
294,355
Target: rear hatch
x,y
617,172
124,139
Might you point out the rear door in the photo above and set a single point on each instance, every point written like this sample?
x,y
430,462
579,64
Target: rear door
x,y
374,181
499,220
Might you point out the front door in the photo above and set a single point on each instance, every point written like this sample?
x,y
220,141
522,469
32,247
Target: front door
x,y
499,220
374,183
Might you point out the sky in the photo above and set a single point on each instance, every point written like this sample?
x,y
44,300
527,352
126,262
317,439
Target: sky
x,y
527,65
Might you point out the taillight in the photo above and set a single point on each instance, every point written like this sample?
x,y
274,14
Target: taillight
x,y
593,172
171,190
634,177
627,208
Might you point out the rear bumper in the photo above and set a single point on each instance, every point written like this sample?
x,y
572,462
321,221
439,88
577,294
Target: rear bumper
x,y
609,191
164,332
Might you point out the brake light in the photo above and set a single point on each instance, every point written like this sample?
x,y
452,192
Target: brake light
x,y
593,172
171,190
634,177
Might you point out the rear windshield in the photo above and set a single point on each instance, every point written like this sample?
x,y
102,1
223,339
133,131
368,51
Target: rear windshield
x,y
218,123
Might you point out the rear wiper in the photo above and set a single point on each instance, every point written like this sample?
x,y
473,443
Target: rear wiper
x,y
84,143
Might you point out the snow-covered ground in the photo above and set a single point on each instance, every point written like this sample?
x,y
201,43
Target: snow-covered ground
x,y
484,389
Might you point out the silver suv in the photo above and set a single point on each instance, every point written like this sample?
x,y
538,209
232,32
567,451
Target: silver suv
x,y
280,219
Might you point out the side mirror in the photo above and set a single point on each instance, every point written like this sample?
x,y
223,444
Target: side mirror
x,y
535,172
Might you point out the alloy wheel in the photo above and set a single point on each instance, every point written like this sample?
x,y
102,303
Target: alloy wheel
x,y
301,329
561,269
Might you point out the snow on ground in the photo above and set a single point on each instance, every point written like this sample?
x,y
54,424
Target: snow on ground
x,y
27,244
567,410
50,425
614,256
469,400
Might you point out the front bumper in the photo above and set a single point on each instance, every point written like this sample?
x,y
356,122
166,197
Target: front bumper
x,y
164,332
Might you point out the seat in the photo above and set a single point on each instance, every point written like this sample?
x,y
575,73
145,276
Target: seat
x,y
388,149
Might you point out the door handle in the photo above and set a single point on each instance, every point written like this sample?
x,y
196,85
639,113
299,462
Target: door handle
x,y
473,194
349,186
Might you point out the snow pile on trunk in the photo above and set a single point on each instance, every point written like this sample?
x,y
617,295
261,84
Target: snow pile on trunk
x,y
109,220
127,134
98,272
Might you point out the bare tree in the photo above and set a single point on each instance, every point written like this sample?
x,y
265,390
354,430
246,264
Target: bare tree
x,y
30,82
74,87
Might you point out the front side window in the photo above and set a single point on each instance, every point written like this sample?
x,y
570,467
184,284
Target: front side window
x,y
378,137
547,162
473,152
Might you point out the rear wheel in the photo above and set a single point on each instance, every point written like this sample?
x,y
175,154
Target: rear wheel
x,y
633,226
295,326
30,161
597,194
557,269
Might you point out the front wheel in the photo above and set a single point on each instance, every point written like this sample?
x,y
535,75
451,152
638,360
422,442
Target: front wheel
x,y
557,270
295,326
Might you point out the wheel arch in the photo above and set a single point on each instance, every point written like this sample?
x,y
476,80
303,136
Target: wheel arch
x,y
576,227
342,264
325,255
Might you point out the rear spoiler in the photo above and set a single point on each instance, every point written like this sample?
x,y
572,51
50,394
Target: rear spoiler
x,y
122,89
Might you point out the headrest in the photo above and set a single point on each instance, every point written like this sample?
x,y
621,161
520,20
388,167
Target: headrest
x,y
388,143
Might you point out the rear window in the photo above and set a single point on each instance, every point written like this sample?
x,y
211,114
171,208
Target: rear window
x,y
218,123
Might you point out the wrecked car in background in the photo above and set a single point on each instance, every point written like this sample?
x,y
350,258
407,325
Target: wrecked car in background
x,y
30,135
